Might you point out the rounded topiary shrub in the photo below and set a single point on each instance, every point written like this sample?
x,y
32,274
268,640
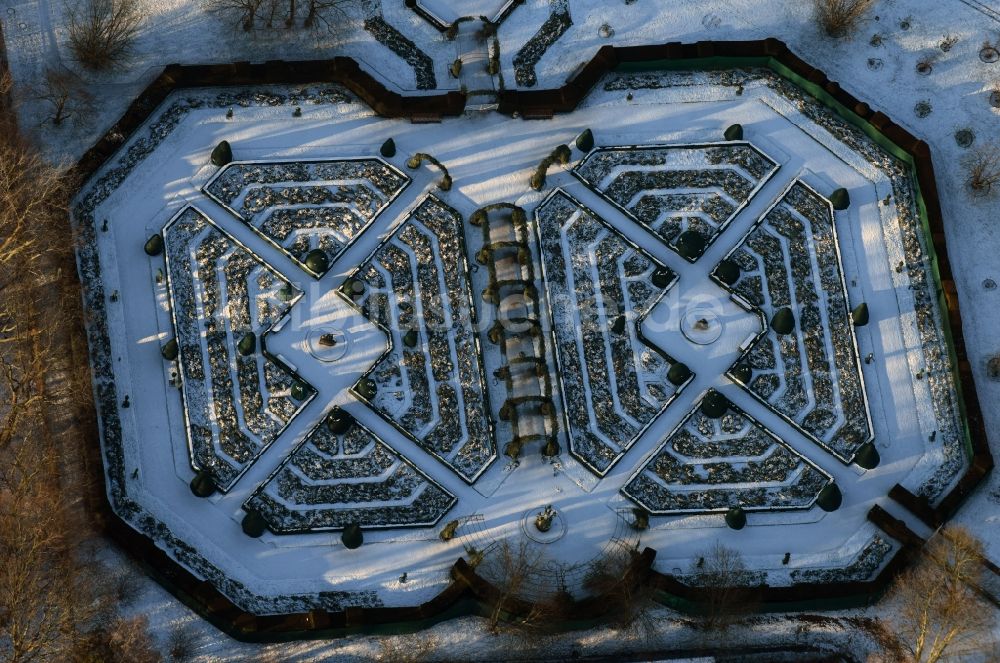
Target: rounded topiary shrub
x,y
840,199
247,344
690,244
317,261
388,149
742,373
170,350
339,421
202,485
736,518
410,338
783,322
830,497
253,524
222,154
154,245
366,388
867,456
714,405
734,132
299,390
352,537
859,316
585,141
678,374
728,272
662,276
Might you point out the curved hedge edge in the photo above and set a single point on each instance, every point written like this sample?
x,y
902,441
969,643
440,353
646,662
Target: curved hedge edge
x,y
343,70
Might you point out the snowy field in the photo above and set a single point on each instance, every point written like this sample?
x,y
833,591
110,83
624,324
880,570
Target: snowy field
x,y
907,397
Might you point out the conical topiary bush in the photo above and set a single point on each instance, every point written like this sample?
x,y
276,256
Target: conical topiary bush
x,y
736,518
222,154
154,245
339,421
202,485
366,388
690,244
410,338
317,261
585,141
253,524
714,405
678,374
859,316
247,344
867,456
170,350
830,497
734,132
840,199
728,272
662,276
300,391
742,373
783,322
388,149
352,536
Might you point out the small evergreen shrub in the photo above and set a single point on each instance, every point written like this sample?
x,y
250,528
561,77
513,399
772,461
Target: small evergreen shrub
x,y
388,149
840,199
736,518
202,485
352,537
170,350
859,316
154,245
222,154
734,132
317,261
247,344
783,321
678,374
253,524
585,141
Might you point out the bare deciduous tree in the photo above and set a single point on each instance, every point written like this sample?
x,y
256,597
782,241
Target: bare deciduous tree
x,y
508,567
64,96
102,32
839,18
725,586
256,15
938,611
629,601
982,167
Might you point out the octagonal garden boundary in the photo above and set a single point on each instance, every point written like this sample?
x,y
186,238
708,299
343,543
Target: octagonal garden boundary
x,y
203,593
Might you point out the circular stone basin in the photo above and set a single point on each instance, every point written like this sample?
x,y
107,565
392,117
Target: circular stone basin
x,y
701,326
556,531
327,352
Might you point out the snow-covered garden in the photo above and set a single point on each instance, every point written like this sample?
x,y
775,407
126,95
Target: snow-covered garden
x,y
347,349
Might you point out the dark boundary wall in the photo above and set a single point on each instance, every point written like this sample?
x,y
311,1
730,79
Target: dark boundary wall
x,y
468,593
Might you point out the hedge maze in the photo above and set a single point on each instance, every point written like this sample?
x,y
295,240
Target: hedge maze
x,y
237,398
344,474
790,261
430,384
678,189
308,206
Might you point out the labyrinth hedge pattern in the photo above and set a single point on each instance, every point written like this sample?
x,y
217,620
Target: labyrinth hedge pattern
x,y
305,205
709,465
333,480
812,376
593,275
671,189
235,405
418,280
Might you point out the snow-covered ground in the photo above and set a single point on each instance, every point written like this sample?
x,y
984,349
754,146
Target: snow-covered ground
x,y
881,71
